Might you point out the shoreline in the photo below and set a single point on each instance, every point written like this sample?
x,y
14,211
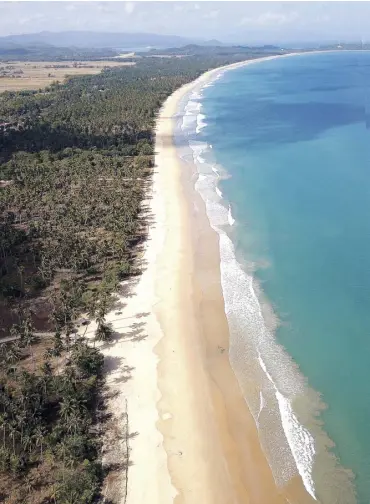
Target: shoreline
x,y
191,313
303,434
183,431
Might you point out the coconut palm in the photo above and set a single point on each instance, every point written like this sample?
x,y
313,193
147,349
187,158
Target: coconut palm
x,y
13,432
13,353
3,425
39,437
78,161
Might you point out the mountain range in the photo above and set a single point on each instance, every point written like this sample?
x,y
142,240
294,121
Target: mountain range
x,y
90,39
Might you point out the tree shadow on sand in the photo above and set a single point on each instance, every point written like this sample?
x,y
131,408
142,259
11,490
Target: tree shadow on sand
x,y
135,333
112,363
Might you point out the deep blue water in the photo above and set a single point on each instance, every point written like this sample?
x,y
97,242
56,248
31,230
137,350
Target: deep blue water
x,y
294,135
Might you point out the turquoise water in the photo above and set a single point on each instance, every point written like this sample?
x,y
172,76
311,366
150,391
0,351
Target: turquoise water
x,y
293,134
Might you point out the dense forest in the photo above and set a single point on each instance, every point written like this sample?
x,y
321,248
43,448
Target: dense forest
x,y
75,165
233,52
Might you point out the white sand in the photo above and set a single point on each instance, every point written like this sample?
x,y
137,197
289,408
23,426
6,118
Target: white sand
x,y
198,457
133,377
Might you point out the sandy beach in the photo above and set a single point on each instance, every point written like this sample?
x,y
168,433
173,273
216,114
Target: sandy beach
x,y
179,417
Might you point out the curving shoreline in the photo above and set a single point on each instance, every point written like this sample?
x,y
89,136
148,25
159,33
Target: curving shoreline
x,y
209,435
180,413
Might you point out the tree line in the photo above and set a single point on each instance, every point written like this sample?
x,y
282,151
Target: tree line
x,y
75,164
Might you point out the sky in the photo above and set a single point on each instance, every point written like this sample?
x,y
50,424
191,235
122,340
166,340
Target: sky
x,y
238,22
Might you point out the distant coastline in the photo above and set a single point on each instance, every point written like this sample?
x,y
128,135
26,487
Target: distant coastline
x,y
191,314
220,217
303,462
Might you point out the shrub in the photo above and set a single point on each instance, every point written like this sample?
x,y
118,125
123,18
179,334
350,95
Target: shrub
x,y
89,361
78,488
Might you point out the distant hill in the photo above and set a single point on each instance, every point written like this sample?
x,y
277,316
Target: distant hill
x,y
89,39
199,50
38,51
87,45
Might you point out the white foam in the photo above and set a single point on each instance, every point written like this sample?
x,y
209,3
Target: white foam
x,y
200,123
219,193
197,149
188,122
293,447
243,310
263,366
192,107
299,439
190,117
262,404
196,95
230,218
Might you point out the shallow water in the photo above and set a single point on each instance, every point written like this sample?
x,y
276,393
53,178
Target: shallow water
x,y
283,149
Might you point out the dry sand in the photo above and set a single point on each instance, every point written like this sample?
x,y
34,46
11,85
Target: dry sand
x,y
179,417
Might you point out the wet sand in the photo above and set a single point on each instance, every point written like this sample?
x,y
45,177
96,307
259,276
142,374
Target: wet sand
x,y
209,435
181,429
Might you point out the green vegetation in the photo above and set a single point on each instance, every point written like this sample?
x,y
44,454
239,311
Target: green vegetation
x,y
234,53
44,52
75,163
50,412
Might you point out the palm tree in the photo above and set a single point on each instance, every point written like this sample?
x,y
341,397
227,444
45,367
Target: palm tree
x,y
27,336
13,354
16,332
69,407
27,442
46,378
21,419
39,437
46,368
74,226
12,433
103,332
2,352
3,425
58,343
21,271
74,422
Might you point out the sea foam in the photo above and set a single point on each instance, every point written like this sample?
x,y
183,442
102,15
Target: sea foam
x,y
200,123
246,321
219,193
230,217
248,332
262,404
300,440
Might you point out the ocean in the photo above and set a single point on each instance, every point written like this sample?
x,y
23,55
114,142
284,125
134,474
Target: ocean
x,y
282,149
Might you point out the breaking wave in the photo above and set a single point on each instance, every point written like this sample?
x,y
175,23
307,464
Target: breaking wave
x,y
245,317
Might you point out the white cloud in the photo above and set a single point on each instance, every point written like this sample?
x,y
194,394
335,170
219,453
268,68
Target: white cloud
x,y
322,19
129,7
70,7
211,15
31,19
104,7
269,19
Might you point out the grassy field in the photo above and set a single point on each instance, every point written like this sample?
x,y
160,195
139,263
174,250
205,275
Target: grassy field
x,y
18,75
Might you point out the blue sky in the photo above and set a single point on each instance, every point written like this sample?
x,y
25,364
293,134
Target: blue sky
x,y
239,22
